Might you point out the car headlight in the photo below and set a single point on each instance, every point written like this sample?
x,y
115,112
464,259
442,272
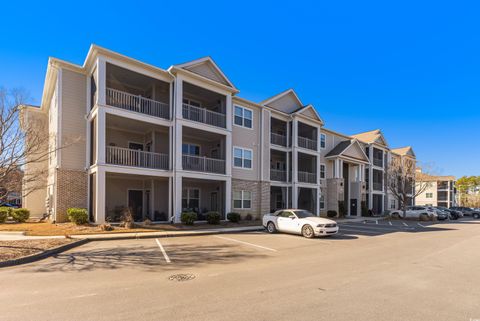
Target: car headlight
x,y
321,225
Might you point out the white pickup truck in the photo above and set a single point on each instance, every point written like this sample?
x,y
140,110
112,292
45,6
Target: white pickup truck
x,y
297,221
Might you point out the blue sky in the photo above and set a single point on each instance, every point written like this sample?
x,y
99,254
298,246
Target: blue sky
x,y
411,69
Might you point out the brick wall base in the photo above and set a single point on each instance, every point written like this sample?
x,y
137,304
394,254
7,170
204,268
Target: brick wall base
x,y
260,197
71,191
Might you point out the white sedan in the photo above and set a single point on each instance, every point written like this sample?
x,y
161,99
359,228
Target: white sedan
x,y
416,212
299,222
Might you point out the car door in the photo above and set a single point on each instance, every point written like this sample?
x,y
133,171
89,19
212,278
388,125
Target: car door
x,y
285,222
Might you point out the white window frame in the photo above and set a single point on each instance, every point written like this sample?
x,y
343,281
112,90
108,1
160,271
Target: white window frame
x,y
393,204
243,117
325,141
188,195
243,157
324,171
320,201
242,199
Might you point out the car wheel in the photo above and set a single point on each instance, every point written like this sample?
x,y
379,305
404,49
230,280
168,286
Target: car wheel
x,y
476,215
271,227
307,231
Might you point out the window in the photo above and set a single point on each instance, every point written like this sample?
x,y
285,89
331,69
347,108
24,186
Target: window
x,y
192,102
190,149
242,199
191,198
323,141
322,171
429,195
243,117
322,202
393,204
242,158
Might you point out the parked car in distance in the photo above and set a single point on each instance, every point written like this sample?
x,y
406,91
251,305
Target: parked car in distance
x,y
467,211
453,214
441,214
8,205
415,212
298,221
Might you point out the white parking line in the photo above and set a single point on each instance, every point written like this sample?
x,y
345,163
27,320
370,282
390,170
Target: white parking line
x,y
390,223
246,243
163,251
405,224
376,222
420,224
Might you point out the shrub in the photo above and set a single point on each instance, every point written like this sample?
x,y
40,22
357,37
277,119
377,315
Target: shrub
x,y
332,213
127,218
364,207
77,216
233,217
188,218
147,222
5,212
341,208
213,218
248,217
386,213
106,227
20,215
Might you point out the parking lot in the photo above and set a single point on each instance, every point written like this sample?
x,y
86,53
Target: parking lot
x,y
388,270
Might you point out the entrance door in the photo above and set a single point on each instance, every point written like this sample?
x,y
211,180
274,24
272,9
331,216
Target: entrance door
x,y
214,201
135,202
353,207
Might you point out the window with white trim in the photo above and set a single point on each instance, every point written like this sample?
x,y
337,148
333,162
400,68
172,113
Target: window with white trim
x,y
323,141
322,171
322,202
190,198
393,204
243,117
242,157
242,199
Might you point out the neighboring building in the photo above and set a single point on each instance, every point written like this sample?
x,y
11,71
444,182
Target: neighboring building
x,y
440,191
164,141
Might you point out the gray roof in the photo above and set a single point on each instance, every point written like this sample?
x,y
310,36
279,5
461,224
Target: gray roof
x,y
337,150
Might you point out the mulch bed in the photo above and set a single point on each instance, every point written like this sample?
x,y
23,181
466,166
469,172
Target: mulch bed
x,y
12,250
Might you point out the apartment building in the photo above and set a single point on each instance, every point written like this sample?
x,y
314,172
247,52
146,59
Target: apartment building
x,y
439,191
162,141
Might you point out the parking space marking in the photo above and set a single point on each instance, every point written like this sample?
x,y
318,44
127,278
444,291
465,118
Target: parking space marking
x,y
165,255
376,222
390,223
420,224
405,224
246,243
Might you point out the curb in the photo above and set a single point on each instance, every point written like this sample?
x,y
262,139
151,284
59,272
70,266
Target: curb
x,y
44,254
146,235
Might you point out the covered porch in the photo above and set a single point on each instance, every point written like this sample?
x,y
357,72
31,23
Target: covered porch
x,y
202,196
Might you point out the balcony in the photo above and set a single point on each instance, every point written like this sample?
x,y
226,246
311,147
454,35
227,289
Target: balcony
x,y
137,103
278,175
378,162
378,186
307,143
203,115
307,177
277,139
203,164
136,158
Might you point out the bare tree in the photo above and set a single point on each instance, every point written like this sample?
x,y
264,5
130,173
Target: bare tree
x,y
401,181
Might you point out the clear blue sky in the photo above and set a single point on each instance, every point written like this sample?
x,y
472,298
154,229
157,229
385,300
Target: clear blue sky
x,y
411,69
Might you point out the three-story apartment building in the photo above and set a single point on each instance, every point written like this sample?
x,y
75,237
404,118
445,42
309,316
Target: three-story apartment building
x,y
161,141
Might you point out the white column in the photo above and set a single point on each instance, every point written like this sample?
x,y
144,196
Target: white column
x,y
152,200
295,195
178,97
228,154
101,136
228,111
317,201
101,79
228,195
170,196
100,190
287,166
177,198
178,146
171,91
295,153
318,169
340,168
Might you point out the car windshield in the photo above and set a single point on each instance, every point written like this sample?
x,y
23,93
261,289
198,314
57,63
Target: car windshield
x,y
303,213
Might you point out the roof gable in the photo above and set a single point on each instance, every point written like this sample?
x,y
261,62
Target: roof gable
x,y
404,151
310,112
371,137
207,68
355,151
286,101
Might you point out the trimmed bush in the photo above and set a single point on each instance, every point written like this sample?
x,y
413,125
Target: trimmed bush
x,y
188,218
233,217
78,216
213,217
332,213
248,217
4,214
341,209
364,208
20,215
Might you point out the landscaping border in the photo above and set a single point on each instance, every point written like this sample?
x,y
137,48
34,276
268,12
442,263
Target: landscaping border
x,y
44,254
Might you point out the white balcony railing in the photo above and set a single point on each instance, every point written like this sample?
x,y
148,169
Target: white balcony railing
x,y
203,115
203,164
307,177
136,158
278,175
277,139
139,104
307,143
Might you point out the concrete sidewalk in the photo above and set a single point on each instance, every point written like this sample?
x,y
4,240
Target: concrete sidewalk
x,y
20,236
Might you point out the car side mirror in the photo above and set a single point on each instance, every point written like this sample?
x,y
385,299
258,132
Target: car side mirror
x,y
292,217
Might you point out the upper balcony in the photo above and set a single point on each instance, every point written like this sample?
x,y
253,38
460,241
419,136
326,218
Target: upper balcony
x,y
307,168
278,132
203,151
203,106
307,136
135,92
377,157
377,180
136,144
278,166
